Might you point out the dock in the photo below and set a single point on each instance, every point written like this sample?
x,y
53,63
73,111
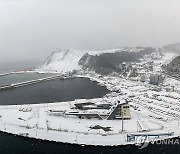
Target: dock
x,y
5,74
16,85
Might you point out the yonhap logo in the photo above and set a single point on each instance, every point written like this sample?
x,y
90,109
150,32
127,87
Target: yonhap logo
x,y
142,141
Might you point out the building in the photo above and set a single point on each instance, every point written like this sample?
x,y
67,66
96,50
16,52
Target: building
x,y
85,109
156,79
143,78
121,111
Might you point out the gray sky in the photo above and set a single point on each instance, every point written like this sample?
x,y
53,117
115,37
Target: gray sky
x,y
31,29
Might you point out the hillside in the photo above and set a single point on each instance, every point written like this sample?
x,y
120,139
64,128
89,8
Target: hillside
x,y
112,62
173,68
102,62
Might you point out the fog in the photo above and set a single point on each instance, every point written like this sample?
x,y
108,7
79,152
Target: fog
x,y
31,29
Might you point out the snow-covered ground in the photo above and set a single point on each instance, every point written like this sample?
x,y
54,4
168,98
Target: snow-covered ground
x,y
156,112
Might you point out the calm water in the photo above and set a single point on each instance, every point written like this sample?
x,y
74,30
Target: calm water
x,y
53,91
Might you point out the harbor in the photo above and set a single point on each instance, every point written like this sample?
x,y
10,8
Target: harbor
x,y
51,89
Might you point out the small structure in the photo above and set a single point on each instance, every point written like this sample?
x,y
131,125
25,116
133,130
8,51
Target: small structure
x,y
156,79
142,75
143,78
121,111
133,72
80,103
84,104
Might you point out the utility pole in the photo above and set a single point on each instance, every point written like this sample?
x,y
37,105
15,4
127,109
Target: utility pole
x,y
76,137
122,118
36,128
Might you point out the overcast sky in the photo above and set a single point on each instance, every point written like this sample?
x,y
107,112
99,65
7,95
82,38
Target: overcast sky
x,y
31,29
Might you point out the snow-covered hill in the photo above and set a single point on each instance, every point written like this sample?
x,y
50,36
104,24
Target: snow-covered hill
x,y
64,60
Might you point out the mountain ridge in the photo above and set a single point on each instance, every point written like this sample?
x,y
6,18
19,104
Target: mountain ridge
x,y
172,47
100,61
